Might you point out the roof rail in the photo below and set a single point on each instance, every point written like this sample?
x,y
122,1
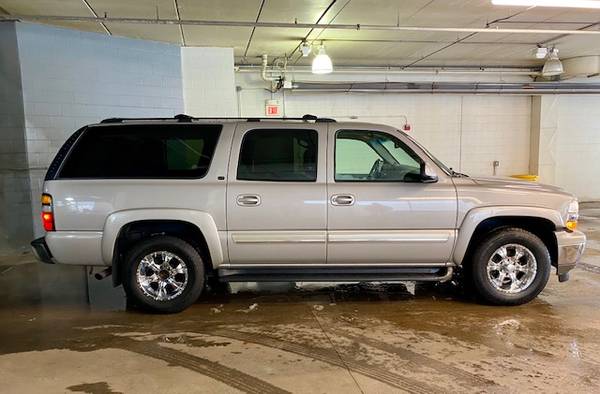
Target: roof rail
x,y
187,119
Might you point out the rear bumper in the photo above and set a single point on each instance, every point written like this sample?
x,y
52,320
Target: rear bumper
x,y
41,251
570,248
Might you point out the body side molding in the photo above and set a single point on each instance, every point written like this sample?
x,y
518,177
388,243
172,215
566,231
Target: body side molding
x,y
477,215
204,221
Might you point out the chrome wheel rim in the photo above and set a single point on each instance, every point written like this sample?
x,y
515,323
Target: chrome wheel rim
x,y
512,268
162,275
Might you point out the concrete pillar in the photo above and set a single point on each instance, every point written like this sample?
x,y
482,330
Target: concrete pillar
x,y
209,76
16,228
544,128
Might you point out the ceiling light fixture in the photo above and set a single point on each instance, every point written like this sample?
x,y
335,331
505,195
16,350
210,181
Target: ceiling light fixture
x,y
550,3
305,48
322,62
541,52
553,65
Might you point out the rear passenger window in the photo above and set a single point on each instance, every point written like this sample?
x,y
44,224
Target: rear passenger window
x,y
143,151
279,155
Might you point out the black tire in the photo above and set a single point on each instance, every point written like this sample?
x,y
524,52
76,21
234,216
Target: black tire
x,y
478,274
182,250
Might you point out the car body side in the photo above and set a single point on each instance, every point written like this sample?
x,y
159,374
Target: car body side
x,y
91,214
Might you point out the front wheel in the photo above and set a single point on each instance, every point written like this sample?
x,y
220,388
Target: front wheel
x,y
163,274
510,267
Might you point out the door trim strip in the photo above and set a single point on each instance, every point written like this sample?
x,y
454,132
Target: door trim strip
x,y
254,237
403,236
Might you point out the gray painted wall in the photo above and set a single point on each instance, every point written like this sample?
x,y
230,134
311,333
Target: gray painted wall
x,y
53,82
15,202
71,78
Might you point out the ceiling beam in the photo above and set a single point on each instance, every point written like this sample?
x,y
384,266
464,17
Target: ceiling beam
x,y
178,15
287,25
89,7
260,9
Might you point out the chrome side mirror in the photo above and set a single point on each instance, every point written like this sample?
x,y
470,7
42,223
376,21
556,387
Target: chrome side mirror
x,y
428,175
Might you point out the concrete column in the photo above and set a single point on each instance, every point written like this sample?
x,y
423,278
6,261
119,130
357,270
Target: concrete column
x,y
209,81
544,128
16,228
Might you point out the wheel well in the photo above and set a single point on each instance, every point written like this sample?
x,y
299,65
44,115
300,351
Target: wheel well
x,y
543,228
134,232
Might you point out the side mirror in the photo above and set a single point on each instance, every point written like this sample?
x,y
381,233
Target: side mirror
x,y
428,175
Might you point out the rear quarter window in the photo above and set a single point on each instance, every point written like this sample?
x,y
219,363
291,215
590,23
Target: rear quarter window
x,y
142,151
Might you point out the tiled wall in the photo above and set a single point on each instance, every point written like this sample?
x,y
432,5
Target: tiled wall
x,y
209,88
570,143
73,78
467,132
15,203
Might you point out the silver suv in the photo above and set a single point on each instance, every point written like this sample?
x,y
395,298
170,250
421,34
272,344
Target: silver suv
x,y
169,206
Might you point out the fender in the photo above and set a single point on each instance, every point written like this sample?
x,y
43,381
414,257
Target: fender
x,y
477,215
204,221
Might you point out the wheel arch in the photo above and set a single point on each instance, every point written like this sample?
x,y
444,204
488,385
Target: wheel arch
x,y
478,223
124,228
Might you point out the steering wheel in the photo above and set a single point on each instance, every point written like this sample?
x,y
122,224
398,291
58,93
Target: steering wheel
x,y
376,169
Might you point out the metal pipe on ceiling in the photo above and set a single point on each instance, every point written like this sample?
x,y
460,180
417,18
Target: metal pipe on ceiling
x,y
398,70
533,88
401,41
333,26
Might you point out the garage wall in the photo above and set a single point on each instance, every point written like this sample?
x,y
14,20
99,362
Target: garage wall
x,y
570,143
15,203
209,88
73,78
467,132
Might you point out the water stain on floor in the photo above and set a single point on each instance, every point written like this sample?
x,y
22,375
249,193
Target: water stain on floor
x,y
59,334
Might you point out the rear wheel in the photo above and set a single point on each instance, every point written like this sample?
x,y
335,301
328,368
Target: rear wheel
x,y
510,267
163,274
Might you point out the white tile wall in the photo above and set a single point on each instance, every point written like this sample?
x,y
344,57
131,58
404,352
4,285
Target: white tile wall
x,y
209,88
73,78
570,143
466,132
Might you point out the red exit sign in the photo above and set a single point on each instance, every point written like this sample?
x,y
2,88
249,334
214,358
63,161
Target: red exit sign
x,y
272,108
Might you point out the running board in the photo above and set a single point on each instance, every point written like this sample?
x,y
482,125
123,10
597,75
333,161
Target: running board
x,y
337,274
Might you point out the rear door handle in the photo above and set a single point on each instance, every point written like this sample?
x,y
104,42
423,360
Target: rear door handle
x,y
248,200
342,199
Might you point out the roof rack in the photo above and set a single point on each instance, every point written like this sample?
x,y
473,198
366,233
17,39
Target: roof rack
x,y
188,119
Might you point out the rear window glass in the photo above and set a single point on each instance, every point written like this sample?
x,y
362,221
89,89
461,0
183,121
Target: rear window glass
x,y
278,155
143,151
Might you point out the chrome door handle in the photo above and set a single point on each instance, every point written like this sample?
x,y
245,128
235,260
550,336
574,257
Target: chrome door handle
x,y
342,199
248,200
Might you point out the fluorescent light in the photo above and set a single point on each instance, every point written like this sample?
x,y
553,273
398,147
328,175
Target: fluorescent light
x,y
322,63
550,3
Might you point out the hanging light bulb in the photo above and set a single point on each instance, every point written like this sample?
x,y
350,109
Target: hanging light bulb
x,y
553,65
322,62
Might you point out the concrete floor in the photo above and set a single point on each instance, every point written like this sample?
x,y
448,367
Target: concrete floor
x,y
61,333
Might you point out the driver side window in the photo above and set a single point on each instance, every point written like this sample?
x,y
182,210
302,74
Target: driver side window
x,y
372,156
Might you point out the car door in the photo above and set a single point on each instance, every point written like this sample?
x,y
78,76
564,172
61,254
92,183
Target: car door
x,y
379,208
276,194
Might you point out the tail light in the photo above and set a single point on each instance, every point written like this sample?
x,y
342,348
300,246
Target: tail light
x,y
47,213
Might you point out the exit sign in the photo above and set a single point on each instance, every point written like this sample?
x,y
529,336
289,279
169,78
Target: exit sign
x,y
272,108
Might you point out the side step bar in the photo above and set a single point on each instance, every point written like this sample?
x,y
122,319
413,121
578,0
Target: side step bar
x,y
336,274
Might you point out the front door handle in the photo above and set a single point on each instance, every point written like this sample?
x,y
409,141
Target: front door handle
x,y
342,199
248,200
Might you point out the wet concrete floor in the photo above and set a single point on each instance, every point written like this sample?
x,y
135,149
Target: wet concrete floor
x,y
61,333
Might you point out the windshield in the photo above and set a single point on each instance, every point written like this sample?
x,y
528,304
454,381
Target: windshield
x,y
449,171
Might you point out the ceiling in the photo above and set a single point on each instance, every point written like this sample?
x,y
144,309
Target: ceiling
x,y
346,47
